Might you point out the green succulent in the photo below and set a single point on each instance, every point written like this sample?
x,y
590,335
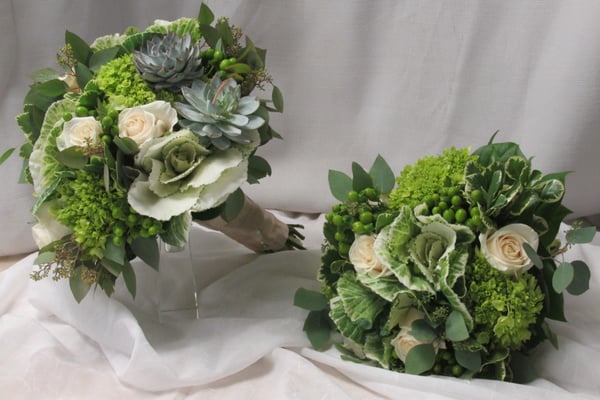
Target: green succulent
x,y
217,112
169,62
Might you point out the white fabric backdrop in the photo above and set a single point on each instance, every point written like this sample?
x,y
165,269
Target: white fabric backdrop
x,y
403,78
247,344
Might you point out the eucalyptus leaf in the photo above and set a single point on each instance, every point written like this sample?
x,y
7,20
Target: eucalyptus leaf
x,y
360,178
79,288
533,255
581,278
52,88
83,73
44,258
81,50
277,98
115,252
310,300
102,57
233,205
554,302
383,176
340,184
471,360
258,168
210,35
44,74
72,157
420,358
129,277
224,32
581,235
6,155
112,267
205,15
522,367
147,250
562,277
422,331
318,329
456,329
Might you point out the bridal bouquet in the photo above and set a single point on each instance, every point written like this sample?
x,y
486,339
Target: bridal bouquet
x,y
455,271
141,133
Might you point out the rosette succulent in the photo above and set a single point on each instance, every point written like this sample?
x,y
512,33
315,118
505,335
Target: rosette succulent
x,y
216,111
169,62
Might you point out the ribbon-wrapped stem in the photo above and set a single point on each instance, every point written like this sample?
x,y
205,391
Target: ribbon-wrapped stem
x,y
258,229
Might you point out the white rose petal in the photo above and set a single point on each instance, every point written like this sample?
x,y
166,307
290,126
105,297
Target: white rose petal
x,y
148,121
48,229
362,256
504,250
80,132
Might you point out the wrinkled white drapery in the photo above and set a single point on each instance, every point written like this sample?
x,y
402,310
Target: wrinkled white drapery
x,y
400,78
247,344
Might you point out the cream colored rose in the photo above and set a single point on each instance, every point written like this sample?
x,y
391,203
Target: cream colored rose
x,y
404,340
143,123
362,256
504,250
80,132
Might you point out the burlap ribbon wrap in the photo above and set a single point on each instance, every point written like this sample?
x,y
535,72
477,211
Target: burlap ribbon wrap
x,y
254,227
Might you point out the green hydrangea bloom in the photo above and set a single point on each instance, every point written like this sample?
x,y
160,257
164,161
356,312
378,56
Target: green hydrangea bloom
x,y
428,176
503,306
120,81
87,209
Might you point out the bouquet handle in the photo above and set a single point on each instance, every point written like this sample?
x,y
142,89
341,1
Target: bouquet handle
x,y
257,229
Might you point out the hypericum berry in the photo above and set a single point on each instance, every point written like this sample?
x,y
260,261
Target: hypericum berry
x,y
435,210
456,200
366,217
106,139
475,212
224,64
337,220
476,196
67,116
353,196
153,230
218,55
443,205
358,227
449,215
329,217
81,111
106,122
343,248
370,193
339,236
461,215
117,240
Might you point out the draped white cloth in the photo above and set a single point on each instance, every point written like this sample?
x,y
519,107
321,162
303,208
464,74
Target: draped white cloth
x,y
400,78
248,342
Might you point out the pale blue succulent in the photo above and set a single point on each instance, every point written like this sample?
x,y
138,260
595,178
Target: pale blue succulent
x,y
217,112
169,62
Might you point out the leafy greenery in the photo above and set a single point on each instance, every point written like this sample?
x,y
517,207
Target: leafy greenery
x,y
409,281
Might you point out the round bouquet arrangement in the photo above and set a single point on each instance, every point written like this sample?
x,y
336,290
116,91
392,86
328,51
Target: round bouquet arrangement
x,y
141,133
454,271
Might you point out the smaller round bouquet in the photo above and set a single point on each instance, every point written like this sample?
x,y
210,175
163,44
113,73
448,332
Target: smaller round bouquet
x,y
140,134
455,271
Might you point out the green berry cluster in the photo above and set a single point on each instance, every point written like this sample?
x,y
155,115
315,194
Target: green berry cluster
x,y
356,216
451,204
446,364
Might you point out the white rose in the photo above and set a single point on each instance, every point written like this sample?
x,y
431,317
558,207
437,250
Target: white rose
x,y
362,256
80,132
504,250
47,230
146,122
404,340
